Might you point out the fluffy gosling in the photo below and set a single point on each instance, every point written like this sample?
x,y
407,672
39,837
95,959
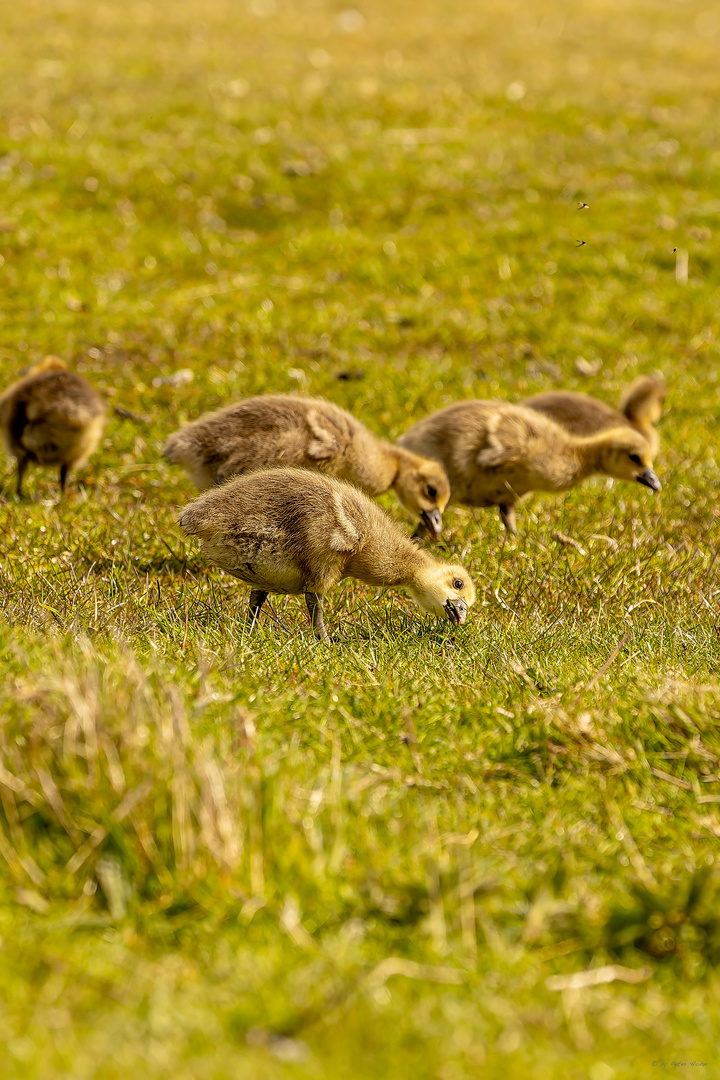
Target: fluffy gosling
x,y
292,531
640,408
494,453
277,430
51,416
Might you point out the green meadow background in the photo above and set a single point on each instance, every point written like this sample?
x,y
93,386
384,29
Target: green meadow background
x,y
229,856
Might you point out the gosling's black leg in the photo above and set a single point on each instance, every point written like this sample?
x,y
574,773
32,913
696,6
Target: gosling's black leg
x,y
257,599
507,513
64,470
314,606
22,465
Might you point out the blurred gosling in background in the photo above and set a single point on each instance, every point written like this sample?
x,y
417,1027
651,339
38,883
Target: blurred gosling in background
x,y
51,416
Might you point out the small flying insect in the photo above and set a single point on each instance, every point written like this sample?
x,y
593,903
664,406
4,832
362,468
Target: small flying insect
x,y
581,243
583,206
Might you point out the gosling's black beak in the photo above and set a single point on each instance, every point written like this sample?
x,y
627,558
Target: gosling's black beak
x,y
456,611
649,479
432,520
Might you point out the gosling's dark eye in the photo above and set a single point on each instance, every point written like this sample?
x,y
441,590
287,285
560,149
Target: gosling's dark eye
x,y
458,584
635,458
432,492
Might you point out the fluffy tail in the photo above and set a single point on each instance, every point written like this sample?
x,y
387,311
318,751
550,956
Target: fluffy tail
x,y
172,450
193,521
48,363
181,451
643,400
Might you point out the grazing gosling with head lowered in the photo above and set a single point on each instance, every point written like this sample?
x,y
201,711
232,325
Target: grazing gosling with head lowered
x,y
292,531
640,408
494,453
277,430
51,416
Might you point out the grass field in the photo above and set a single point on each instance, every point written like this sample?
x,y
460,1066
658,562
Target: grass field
x,y
227,856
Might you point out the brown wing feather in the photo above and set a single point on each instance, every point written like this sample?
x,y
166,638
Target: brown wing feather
x,y
326,442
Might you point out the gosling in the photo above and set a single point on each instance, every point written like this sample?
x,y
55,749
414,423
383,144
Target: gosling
x,y
494,453
640,408
292,531
269,431
51,416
